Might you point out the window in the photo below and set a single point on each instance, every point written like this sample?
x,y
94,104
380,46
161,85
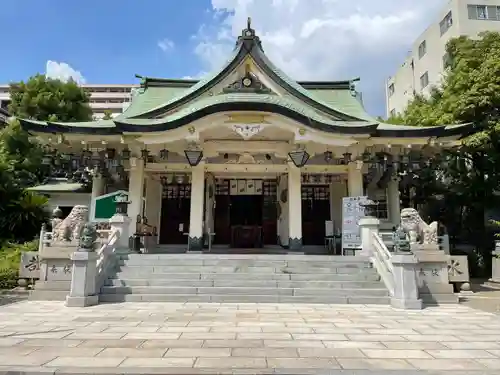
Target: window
x,y
446,23
390,89
424,80
422,49
481,12
484,12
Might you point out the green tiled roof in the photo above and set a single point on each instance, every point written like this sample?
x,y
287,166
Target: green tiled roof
x,y
149,98
343,100
58,186
162,104
282,101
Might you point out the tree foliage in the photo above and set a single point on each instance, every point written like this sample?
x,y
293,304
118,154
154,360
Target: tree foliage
x,y
21,157
469,93
47,99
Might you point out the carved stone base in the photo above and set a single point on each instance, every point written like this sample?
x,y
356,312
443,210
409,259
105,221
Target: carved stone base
x,y
295,243
195,244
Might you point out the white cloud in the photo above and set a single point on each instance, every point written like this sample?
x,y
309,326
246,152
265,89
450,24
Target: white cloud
x,y
324,39
166,44
62,71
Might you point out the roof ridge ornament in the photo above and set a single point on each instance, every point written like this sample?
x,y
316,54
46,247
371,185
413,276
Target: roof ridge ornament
x,y
248,34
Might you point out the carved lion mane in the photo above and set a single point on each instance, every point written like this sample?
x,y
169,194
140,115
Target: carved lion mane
x,y
417,229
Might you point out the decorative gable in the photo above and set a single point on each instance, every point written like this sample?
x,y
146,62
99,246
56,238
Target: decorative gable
x,y
248,83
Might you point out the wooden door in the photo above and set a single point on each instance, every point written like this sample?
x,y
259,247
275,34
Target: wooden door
x,y
269,212
222,225
175,213
315,211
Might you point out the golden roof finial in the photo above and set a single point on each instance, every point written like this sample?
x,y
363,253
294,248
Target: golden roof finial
x,y
249,23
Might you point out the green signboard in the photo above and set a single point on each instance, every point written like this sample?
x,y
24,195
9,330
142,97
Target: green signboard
x,y
105,206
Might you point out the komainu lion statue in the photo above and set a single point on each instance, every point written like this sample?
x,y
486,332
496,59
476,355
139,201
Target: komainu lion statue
x,y
70,228
418,231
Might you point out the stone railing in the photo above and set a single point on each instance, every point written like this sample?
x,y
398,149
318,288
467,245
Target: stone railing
x,y
382,261
91,267
106,260
397,270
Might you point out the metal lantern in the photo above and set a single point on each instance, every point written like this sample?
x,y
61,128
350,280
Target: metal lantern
x,y
370,207
163,154
47,159
145,154
193,157
328,156
347,157
299,158
126,154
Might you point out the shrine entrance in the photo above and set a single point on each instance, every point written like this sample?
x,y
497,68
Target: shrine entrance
x,y
175,214
245,213
315,211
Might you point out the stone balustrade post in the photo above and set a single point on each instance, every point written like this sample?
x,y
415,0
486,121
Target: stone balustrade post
x,y
368,226
83,281
495,265
406,294
121,224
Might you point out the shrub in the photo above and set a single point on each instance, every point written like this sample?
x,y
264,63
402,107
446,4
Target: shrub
x,y
10,256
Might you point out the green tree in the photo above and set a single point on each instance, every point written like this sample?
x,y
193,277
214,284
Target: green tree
x,y
47,99
108,115
469,92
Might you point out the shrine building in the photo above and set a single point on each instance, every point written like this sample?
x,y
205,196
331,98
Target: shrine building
x,y
246,156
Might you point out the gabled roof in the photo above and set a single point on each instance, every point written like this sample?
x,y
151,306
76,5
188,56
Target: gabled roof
x,y
164,104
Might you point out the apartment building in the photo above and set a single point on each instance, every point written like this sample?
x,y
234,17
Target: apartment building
x,y
427,61
114,98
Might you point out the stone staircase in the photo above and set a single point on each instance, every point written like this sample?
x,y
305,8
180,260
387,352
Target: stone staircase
x,y
244,278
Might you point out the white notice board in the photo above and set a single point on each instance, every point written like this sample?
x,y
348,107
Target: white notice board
x,y
352,212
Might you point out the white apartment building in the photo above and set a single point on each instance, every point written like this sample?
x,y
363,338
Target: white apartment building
x,y
114,98
427,59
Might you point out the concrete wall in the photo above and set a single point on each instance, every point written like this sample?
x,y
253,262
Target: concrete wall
x,y
406,79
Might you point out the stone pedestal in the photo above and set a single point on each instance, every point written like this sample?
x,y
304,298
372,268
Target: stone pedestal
x,y
494,282
432,272
406,291
83,282
121,224
368,226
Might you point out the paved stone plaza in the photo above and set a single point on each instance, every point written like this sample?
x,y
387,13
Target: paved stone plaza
x,y
248,338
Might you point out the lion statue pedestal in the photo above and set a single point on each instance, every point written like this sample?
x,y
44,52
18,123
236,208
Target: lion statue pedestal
x,y
432,270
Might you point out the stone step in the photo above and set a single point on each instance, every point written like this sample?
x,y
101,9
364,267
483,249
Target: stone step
x,y
245,283
241,263
244,269
242,291
358,299
320,259
127,273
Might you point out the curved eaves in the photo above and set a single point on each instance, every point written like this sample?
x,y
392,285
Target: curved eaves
x,y
168,124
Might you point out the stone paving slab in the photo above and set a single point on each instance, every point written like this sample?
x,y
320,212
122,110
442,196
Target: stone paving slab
x,y
209,338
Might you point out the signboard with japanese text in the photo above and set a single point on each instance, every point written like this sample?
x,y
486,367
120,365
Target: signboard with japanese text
x,y
352,212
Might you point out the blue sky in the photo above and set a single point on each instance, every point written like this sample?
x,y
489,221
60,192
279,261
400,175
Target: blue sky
x,y
108,41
